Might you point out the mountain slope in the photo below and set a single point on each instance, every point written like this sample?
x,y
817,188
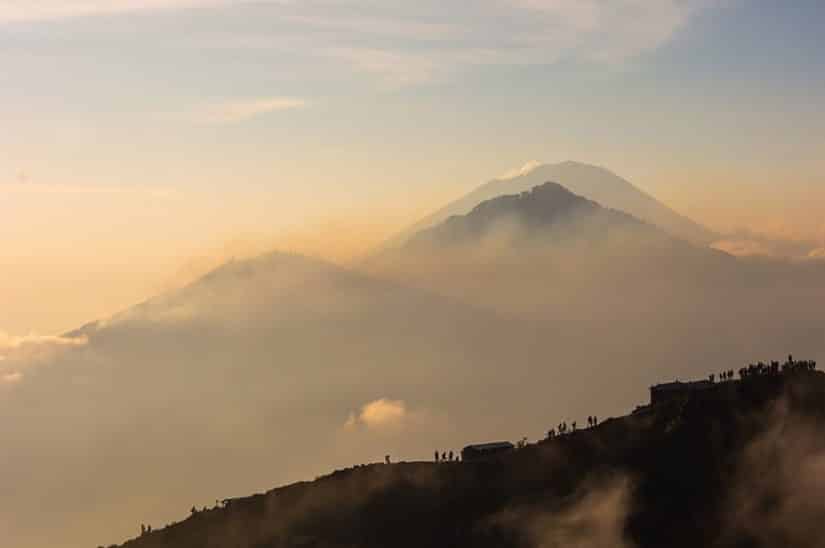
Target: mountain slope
x,y
548,249
592,182
260,372
531,213
733,465
620,297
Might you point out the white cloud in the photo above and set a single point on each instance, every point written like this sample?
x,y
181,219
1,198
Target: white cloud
x,y
28,10
526,32
407,44
617,29
20,348
230,112
12,342
523,170
19,352
378,414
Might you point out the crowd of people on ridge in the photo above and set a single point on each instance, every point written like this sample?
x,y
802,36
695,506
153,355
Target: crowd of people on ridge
x,y
563,428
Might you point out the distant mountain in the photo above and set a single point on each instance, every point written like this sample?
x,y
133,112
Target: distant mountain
x,y
731,464
531,213
256,373
592,182
546,249
618,291
278,368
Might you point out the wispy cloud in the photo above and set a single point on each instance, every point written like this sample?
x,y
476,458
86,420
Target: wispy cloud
x,y
406,44
60,9
596,518
438,39
235,111
21,349
523,170
14,342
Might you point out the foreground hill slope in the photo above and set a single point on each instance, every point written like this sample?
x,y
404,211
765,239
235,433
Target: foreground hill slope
x,y
733,465
592,182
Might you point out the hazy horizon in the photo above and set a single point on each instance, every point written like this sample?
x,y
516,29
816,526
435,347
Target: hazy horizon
x,y
98,282
143,135
244,243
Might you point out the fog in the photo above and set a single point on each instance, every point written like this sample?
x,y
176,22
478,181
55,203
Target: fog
x,y
595,517
779,487
280,368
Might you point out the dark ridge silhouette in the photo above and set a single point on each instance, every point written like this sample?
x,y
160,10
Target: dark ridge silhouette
x,y
673,475
543,207
592,182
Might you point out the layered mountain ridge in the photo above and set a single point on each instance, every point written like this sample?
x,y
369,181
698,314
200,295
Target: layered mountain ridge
x,y
592,182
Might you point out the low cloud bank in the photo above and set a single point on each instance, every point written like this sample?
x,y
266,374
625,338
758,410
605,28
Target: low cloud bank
x,y
15,342
746,243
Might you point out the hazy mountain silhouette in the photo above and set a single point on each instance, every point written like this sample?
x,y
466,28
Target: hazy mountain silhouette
x,y
278,368
732,465
592,182
548,249
256,373
531,213
610,288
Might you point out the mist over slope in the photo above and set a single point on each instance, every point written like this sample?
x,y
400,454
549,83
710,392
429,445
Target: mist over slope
x,y
545,207
276,369
541,251
592,182
264,371
620,294
735,464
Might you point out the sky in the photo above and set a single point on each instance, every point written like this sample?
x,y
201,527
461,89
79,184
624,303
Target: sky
x,y
144,140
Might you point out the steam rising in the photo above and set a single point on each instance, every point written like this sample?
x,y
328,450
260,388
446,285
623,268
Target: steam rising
x,y
779,495
595,519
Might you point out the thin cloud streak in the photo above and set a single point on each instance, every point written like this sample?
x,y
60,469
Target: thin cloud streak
x,y
15,12
232,112
402,45
14,342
